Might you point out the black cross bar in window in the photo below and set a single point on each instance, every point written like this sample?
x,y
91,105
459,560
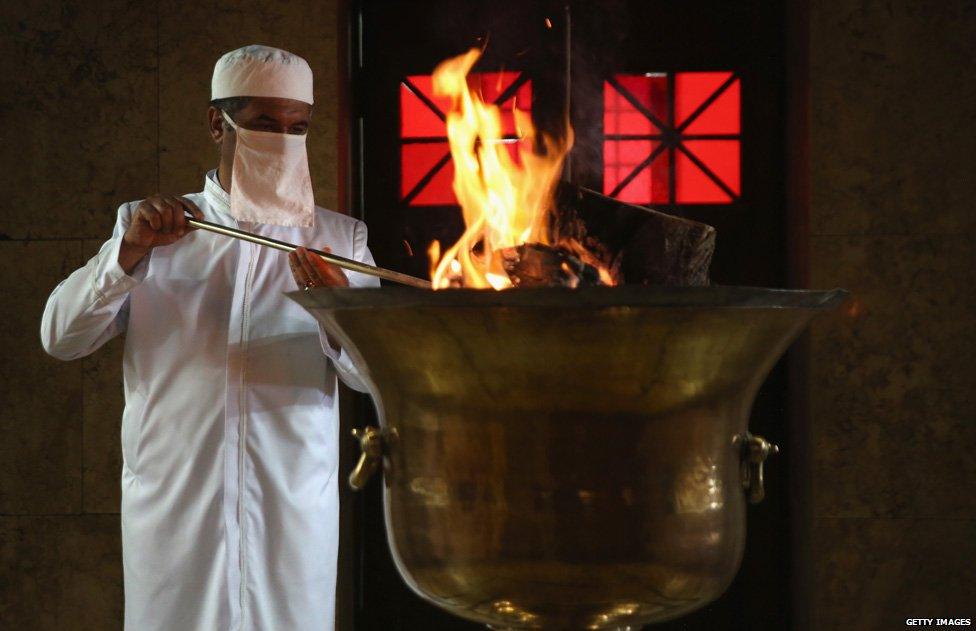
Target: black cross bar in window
x,y
671,137
661,137
636,171
707,102
424,181
664,127
711,174
506,94
423,97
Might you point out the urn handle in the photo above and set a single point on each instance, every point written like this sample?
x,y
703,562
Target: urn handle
x,y
371,446
755,450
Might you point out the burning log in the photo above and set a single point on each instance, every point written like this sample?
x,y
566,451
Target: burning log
x,y
601,241
538,265
632,244
638,245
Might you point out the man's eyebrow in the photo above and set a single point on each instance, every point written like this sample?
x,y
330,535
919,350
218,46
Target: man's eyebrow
x,y
264,118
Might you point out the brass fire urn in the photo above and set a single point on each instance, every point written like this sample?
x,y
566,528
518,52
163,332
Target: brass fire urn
x,y
566,459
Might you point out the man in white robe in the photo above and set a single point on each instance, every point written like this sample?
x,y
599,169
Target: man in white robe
x,y
230,429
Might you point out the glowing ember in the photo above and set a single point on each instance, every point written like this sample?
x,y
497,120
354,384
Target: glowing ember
x,y
505,200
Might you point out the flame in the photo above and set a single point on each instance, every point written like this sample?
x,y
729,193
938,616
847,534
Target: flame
x,y
505,202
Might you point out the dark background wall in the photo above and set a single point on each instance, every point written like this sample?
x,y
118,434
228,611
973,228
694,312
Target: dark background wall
x,y
892,382
103,102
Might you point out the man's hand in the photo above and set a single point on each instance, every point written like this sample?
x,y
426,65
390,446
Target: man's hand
x,y
310,270
157,220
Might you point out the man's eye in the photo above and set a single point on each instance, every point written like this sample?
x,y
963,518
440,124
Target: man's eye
x,y
298,130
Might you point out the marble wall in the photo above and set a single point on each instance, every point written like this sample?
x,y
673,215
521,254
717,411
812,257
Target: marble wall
x,y
892,383
101,103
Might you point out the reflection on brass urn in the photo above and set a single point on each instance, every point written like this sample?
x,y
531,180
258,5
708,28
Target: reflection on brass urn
x,y
566,459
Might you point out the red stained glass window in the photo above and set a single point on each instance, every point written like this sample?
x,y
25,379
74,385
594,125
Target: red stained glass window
x,y
672,138
426,170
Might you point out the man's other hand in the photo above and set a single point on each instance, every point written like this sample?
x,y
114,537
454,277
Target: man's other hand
x,y
310,270
157,220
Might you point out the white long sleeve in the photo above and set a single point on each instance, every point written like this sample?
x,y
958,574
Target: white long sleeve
x,y
344,366
90,307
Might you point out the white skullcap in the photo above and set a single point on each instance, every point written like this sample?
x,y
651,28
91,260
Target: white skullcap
x,y
262,71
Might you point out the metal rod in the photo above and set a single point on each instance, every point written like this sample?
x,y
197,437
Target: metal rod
x,y
349,264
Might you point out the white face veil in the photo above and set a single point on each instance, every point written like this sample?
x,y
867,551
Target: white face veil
x,y
271,181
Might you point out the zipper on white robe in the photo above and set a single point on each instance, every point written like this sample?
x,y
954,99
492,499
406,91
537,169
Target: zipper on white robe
x,y
242,432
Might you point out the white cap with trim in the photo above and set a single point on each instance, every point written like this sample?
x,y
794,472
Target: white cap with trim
x,y
262,71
